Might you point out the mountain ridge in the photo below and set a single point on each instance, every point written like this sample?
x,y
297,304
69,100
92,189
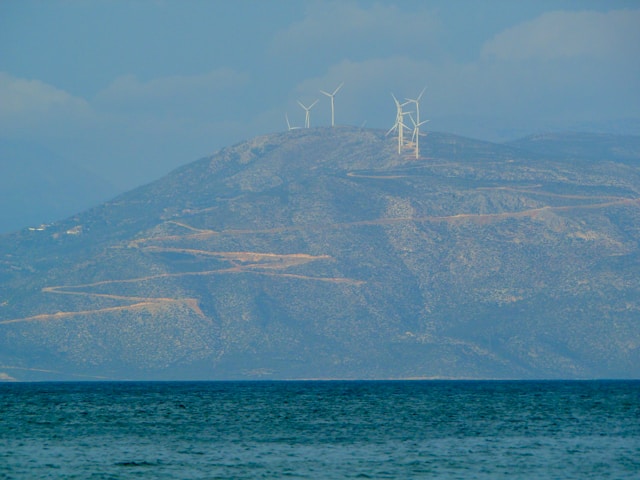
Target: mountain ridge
x,y
322,253
39,187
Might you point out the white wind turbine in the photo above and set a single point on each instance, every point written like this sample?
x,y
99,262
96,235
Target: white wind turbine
x,y
416,123
415,138
331,95
417,102
286,116
399,125
307,119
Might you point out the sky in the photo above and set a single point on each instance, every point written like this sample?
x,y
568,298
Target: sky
x,y
130,90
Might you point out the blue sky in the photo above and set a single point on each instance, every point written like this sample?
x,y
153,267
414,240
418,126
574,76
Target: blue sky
x,y
132,89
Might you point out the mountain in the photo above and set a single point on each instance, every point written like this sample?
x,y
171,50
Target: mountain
x,y
579,147
39,187
323,253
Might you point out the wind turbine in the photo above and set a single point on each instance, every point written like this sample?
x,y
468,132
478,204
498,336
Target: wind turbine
x,y
417,102
415,138
288,124
417,122
399,125
307,120
331,95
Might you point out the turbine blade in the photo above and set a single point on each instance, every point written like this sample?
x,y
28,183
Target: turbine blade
x,y
339,87
311,106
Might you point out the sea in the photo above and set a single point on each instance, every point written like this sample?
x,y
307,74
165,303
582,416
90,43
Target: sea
x,y
321,430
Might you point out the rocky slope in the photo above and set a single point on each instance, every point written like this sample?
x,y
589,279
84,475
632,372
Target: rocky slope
x,y
322,253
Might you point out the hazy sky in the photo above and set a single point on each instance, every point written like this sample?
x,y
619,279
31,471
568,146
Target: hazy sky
x,y
132,89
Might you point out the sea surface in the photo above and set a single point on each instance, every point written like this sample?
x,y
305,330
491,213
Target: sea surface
x,y
321,430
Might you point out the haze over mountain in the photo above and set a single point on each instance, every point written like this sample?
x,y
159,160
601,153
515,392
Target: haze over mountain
x,y
39,187
323,253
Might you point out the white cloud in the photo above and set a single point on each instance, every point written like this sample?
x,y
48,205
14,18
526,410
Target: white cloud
x,y
475,98
176,93
29,104
569,34
141,128
366,95
550,72
344,30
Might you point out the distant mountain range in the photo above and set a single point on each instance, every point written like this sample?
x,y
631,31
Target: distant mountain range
x,y
323,253
40,187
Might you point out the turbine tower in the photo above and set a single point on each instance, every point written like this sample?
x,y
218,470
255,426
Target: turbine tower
x,y
307,119
286,116
416,123
415,138
331,95
417,102
399,125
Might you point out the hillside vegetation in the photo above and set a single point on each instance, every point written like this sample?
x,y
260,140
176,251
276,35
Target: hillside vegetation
x,y
322,253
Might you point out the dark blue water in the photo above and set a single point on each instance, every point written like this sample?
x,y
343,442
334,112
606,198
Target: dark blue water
x,y
323,430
